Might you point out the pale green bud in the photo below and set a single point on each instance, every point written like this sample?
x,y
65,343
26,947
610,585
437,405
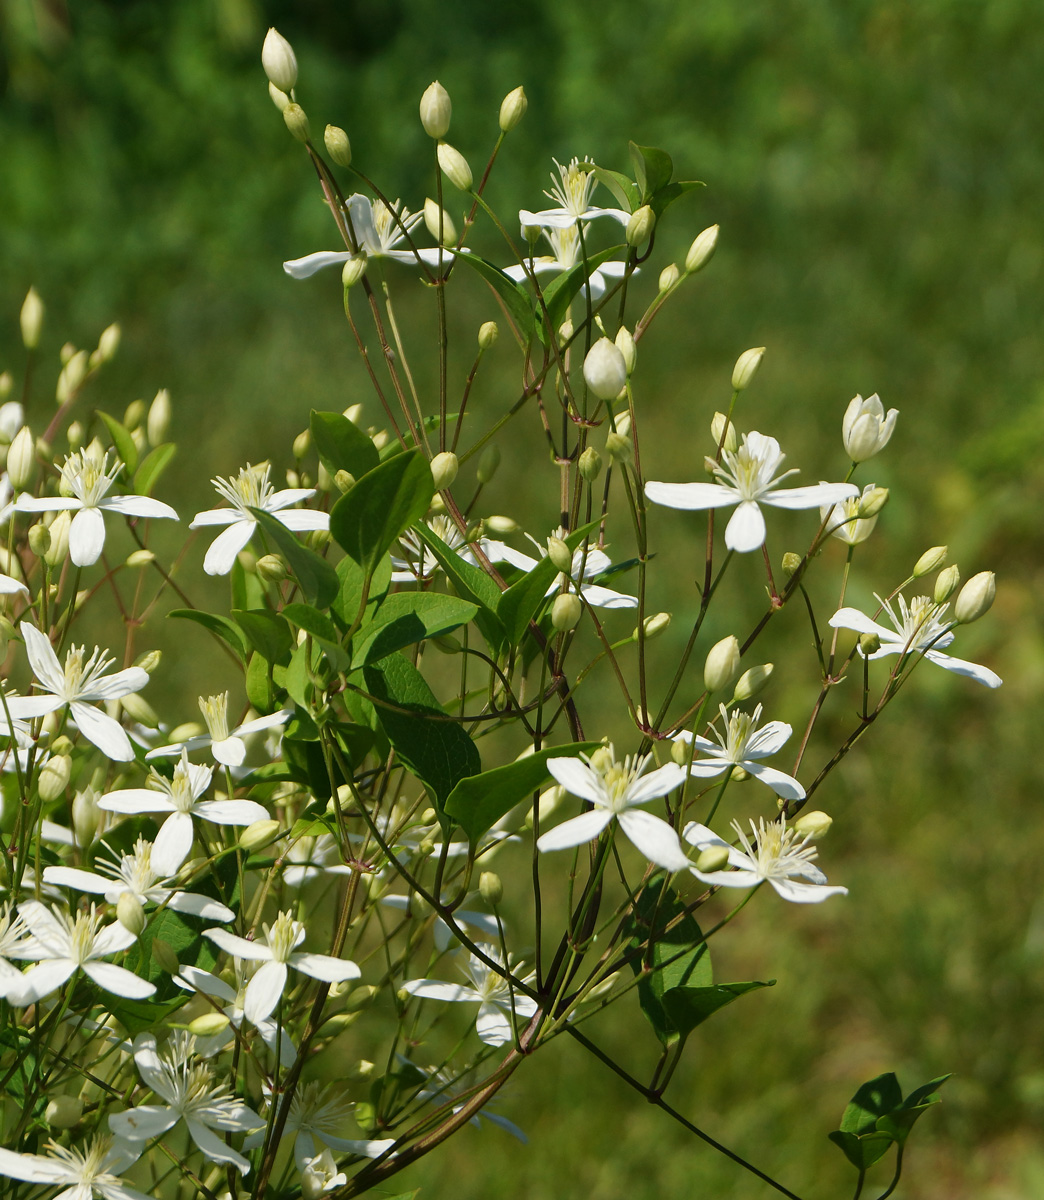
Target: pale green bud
x,y
31,319
278,98
640,225
701,250
605,369
363,1069
590,464
66,352
746,368
258,835
869,643
360,997
39,540
532,233
338,146
163,954
512,109
602,760
139,709
71,378
86,816
58,550
54,778
108,343
681,752
455,167
139,558
432,213
489,460
752,682
566,611
6,383
791,562
722,665
75,434
130,913
487,335
297,122
302,444
656,624
436,109
720,424
946,583
565,331
865,429
872,501
208,1025
63,1112
279,61
21,459
353,270
625,344
444,469
669,277
501,525
714,858
473,532
491,889
812,825
272,568
149,661
158,420
975,598
7,634
560,554
931,560
344,481
133,414
619,448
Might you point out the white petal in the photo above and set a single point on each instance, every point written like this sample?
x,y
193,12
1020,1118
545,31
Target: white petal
x,y
263,991
143,1122
122,683
199,906
701,837
805,893
707,768
302,268
657,783
768,739
746,528
119,980
492,1025
33,1168
138,506
959,667
86,537
215,1148
9,586
107,734
852,618
231,812
654,838
575,832
603,597
42,658
809,497
300,520
286,497
433,989
83,881
230,752
233,944
741,878
779,781
41,980
217,516
203,981
325,967
224,548
259,723
577,778
136,800
691,495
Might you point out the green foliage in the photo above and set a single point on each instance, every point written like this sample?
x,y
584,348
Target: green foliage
x,y
383,503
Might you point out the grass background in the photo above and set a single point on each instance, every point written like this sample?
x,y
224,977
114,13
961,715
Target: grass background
x,y
876,170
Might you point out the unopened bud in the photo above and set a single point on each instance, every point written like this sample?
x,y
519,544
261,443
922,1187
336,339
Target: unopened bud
x,y
54,777
812,825
619,448
487,335
590,464
6,383
354,269
701,250
455,167
338,146
21,459
139,709
491,889
872,501
272,568
444,469
208,1025
488,463
975,598
344,481
669,277
39,540
130,913
279,61
791,563
31,319
722,665
258,835
605,369
720,424
63,1112
439,223
296,121
159,418
86,816
108,343
302,444
163,954
436,109
512,109
560,554
71,379
139,558
946,583
501,525
56,553
278,98
752,682
746,368
656,624
566,611
869,643
931,560
133,414
625,344
360,997
149,661
640,225
714,858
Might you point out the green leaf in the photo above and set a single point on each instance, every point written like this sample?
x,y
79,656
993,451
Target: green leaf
x,y
184,936
266,632
258,684
383,504
877,1098
152,467
861,1150
627,195
296,678
437,750
666,196
248,592
342,445
140,1016
124,443
322,629
351,579
901,1120
409,617
559,293
516,299
472,584
653,169
519,604
317,578
687,1007
306,759
221,627
478,802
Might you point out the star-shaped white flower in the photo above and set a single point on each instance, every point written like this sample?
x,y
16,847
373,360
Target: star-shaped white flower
x,y
418,564
918,627
61,944
13,934
251,489
585,566
85,485
775,855
277,953
566,253
230,1000
616,790
741,745
79,684
842,520
487,988
191,1094
81,1174
572,193
748,478
378,233
226,745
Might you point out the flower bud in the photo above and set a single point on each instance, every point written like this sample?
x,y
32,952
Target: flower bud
x,y
722,665
491,889
502,525
746,368
446,643
54,777
566,611
560,554
681,751
130,913
108,343
272,568
605,369
865,429
432,215
139,709
625,344
669,276
149,661
655,625
791,562
21,459
931,560
975,598
872,501
946,583
701,250
590,464
71,378
31,318
360,997
640,225
6,383
139,558
164,956
208,1024
12,415
296,121
752,683
512,109
619,448
812,825
86,816
436,109
63,1112
489,461
279,61
714,858
58,550
869,643
338,146
455,167
444,469
720,424
258,835
158,420
133,414
302,444
487,335
278,98
39,540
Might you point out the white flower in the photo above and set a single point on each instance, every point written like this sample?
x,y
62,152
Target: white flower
x,y
251,489
918,628
311,857
230,1001
86,482
565,254
865,429
420,564
12,418
187,1085
226,746
181,798
741,745
440,1085
842,520
442,935
615,789
775,855
572,192
748,477
62,944
13,933
585,565
137,875
79,684
80,1174
278,953
488,989
10,586
377,231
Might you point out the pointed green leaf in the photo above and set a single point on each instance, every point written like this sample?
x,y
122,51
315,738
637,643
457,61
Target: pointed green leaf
x,y
901,1120
406,618
248,592
687,1007
559,293
351,579
221,627
652,168
152,467
862,1151
876,1098
666,196
472,584
626,194
322,629
266,632
258,683
124,443
383,504
516,298
519,604
316,576
342,445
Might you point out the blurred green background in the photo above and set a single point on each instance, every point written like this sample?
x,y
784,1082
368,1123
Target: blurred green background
x,y
876,169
